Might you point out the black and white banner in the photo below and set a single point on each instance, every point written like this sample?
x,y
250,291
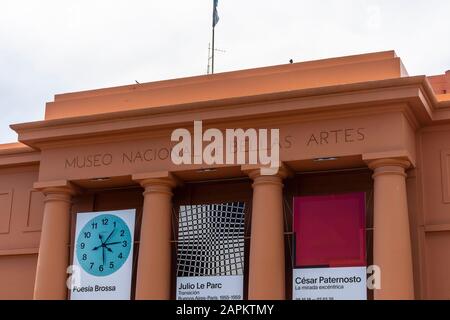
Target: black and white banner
x,y
210,255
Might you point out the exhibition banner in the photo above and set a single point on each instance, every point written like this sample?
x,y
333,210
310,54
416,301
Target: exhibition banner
x,y
330,247
103,256
330,284
210,251
210,288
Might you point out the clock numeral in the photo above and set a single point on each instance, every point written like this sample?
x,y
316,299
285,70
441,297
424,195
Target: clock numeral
x,y
111,265
105,222
84,256
92,264
120,256
100,268
82,245
124,243
94,225
122,233
87,235
114,223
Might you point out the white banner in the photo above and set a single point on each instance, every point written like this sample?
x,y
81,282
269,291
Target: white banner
x,y
210,288
349,283
103,255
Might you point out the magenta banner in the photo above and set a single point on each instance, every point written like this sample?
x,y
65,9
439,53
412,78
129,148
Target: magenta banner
x,y
330,230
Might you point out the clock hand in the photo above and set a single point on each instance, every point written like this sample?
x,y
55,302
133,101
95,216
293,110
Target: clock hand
x,y
101,240
103,254
110,235
109,249
111,243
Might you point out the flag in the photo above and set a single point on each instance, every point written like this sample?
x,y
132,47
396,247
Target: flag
x,y
215,13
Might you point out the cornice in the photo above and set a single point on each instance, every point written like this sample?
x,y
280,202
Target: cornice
x,y
19,159
415,92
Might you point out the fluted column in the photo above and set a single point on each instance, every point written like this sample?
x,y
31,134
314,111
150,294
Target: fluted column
x,y
53,259
267,259
392,242
154,262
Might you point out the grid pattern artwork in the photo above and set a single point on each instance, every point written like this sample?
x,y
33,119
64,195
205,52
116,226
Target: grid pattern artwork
x,y
211,240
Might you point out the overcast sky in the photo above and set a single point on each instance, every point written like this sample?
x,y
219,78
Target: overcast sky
x,y
56,46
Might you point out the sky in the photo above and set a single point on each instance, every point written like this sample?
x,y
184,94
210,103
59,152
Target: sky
x,y
57,46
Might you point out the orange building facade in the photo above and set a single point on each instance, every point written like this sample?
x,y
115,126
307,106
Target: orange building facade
x,y
349,124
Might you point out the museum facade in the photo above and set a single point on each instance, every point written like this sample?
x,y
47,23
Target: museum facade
x,y
364,180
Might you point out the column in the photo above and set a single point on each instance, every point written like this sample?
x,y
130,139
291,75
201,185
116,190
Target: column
x,y
267,259
155,251
392,243
53,259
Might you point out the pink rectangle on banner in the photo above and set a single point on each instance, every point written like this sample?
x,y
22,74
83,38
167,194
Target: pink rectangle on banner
x,y
330,230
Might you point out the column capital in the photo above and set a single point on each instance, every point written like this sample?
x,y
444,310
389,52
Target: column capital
x,y
389,166
157,181
254,172
389,162
61,190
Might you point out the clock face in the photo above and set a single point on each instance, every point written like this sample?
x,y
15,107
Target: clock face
x,y
103,245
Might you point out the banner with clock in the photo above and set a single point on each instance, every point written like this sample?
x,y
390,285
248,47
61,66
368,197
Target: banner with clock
x,y
103,255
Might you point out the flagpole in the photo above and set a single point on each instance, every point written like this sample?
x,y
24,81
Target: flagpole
x,y
214,22
212,55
